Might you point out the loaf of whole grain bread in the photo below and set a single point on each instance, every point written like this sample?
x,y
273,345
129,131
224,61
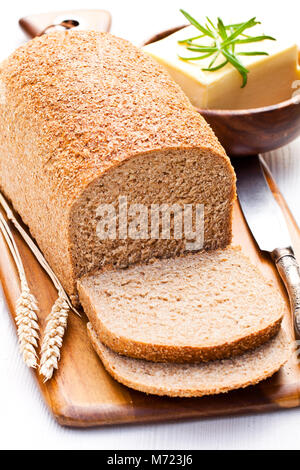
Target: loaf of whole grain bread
x,y
86,117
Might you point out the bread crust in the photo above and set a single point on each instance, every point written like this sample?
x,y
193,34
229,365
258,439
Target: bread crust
x,y
184,390
174,353
75,105
153,352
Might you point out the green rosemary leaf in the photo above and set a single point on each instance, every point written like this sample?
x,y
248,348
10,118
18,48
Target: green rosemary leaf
x,y
237,25
200,57
202,48
225,38
196,24
214,59
238,65
211,23
217,67
240,30
254,39
182,41
234,26
234,60
222,29
209,29
253,53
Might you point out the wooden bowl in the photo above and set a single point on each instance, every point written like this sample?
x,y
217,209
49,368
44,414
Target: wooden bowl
x,y
251,131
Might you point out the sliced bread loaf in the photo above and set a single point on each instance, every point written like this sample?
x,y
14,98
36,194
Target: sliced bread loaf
x,y
198,307
86,117
195,380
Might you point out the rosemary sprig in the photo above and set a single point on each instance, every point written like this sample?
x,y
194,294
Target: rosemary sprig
x,y
223,40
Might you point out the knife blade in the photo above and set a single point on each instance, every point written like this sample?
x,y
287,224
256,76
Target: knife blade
x,y
284,166
268,227
261,211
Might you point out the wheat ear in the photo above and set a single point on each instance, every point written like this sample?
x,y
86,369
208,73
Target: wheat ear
x,y
26,305
27,324
35,250
57,319
53,338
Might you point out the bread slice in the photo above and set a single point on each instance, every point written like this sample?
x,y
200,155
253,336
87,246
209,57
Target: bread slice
x,y
198,307
93,119
195,380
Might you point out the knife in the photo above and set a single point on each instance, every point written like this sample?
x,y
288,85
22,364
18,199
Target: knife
x,y
267,224
284,167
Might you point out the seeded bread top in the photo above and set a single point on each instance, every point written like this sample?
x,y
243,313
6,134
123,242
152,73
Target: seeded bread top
x,y
92,100
73,105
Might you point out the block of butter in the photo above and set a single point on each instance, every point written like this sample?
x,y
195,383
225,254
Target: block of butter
x,y
270,78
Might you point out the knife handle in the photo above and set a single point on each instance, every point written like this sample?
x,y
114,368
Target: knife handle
x,y
289,271
36,25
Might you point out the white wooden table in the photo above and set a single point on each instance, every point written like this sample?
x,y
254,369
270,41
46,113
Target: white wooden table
x,y
24,419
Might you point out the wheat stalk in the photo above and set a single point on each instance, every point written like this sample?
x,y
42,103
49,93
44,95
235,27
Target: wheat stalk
x,y
26,305
53,338
26,319
35,250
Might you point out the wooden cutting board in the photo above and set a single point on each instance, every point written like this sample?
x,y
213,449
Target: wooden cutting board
x,y
82,394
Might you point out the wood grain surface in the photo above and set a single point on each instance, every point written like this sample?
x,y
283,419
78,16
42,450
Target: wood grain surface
x,y
25,421
81,392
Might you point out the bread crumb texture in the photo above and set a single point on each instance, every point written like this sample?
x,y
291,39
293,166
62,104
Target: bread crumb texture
x,y
197,307
195,380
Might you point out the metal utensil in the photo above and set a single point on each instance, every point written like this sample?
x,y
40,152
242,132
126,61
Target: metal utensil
x,y
284,167
268,226
36,25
